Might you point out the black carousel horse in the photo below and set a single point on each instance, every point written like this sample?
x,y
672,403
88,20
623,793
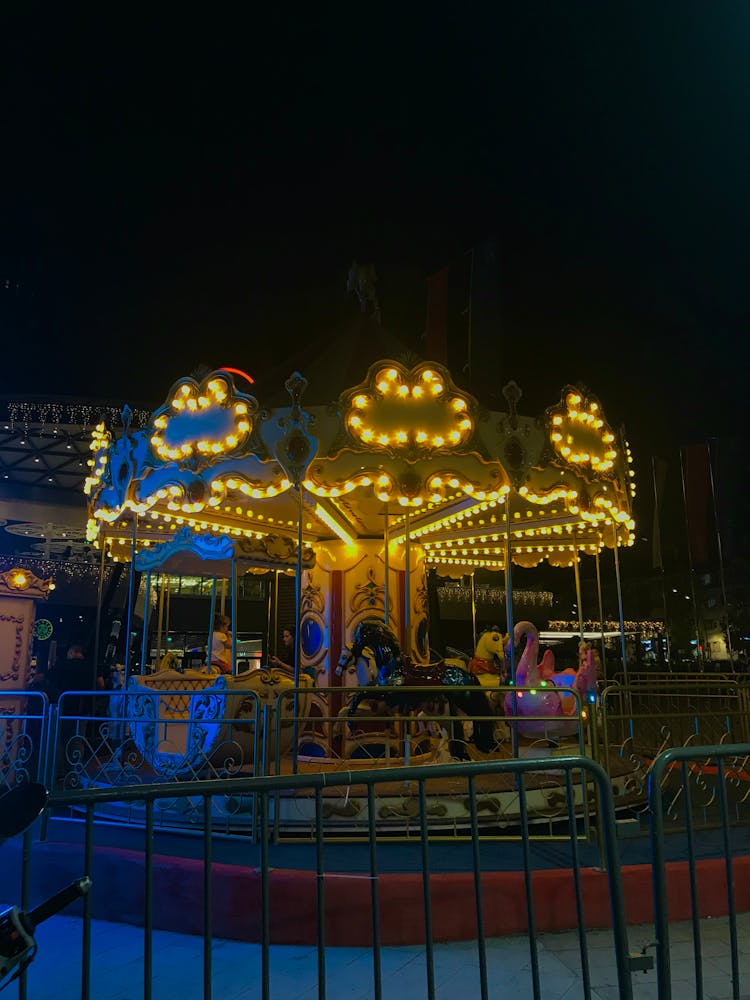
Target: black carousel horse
x,y
394,672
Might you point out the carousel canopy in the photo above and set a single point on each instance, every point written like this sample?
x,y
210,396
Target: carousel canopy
x,y
458,478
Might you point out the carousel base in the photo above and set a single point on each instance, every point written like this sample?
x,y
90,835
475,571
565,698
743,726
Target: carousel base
x,y
178,880
345,808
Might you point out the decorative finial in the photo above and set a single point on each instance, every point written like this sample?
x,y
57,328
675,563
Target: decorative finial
x,y
362,280
512,392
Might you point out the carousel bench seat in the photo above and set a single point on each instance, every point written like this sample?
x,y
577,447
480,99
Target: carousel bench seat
x,y
200,724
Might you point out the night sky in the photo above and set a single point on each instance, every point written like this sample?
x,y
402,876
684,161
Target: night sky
x,y
183,191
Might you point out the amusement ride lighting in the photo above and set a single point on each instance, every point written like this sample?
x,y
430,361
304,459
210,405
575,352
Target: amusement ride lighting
x,y
335,527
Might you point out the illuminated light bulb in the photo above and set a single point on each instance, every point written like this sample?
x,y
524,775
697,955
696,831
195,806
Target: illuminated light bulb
x,y
178,404
453,483
556,436
566,451
455,436
391,374
436,498
403,390
383,439
401,436
160,422
244,426
383,387
231,440
557,420
383,496
436,388
192,404
428,376
355,421
367,434
366,481
421,437
417,391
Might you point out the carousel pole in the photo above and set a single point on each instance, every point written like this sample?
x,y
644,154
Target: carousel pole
x,y
233,632
211,616
146,616
473,611
269,614
407,588
131,598
298,628
619,606
222,606
601,612
577,574
386,563
160,619
509,614
100,594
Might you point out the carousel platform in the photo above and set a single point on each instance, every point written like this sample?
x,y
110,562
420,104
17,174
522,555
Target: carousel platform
x,y
119,879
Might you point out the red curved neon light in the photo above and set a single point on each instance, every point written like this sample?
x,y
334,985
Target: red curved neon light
x,y
238,371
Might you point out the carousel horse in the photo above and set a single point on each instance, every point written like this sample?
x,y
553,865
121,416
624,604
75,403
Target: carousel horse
x,y
557,711
394,671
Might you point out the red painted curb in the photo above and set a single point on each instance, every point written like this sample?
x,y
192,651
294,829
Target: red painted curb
x,y
178,898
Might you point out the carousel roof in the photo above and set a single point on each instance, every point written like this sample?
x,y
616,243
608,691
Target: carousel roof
x,y
404,439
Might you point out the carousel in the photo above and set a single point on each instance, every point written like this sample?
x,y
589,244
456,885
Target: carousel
x,y
398,477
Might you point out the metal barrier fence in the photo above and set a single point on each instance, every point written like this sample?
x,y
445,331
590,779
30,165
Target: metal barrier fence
x,y
683,781
23,737
91,801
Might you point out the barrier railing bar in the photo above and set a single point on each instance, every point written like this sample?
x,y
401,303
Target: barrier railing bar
x,y
25,893
730,880
148,916
88,864
481,944
207,896
533,950
264,900
376,967
429,951
585,972
694,911
321,899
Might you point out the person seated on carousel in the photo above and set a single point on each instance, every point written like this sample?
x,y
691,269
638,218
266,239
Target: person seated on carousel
x,y
221,646
288,640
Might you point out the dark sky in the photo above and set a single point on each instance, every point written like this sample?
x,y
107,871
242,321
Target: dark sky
x,y
179,191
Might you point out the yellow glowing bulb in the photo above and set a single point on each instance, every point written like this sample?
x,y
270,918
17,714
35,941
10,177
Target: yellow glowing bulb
x,y
428,376
437,388
367,434
383,439
383,480
455,436
231,440
192,404
383,386
557,420
355,421
421,437
465,424
360,402
436,482
240,408
417,391
401,436
403,390
458,405
244,426
391,374
438,441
